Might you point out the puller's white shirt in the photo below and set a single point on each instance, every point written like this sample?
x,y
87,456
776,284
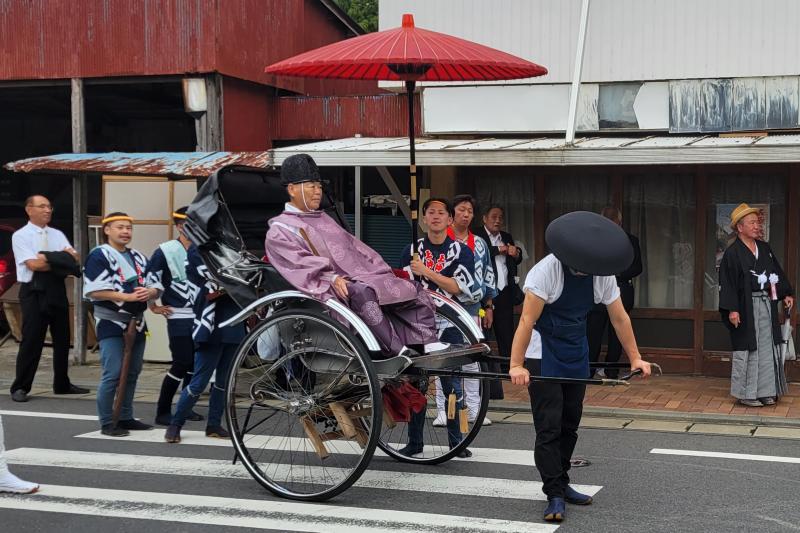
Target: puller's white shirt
x,y
546,280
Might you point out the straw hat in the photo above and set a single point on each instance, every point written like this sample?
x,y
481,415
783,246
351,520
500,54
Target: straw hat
x,y
741,211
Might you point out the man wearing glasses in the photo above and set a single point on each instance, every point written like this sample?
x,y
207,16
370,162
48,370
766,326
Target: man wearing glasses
x,y
43,298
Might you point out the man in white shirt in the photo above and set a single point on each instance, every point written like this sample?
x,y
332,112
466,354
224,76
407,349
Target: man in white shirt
x,y
505,257
560,291
43,305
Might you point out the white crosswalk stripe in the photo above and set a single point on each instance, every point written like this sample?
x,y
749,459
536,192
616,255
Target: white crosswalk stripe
x,y
375,479
725,455
269,513
254,514
481,455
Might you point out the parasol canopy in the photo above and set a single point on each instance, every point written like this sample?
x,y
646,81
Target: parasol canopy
x,y
407,53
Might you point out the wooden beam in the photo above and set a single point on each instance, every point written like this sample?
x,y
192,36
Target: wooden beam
x,y
80,223
792,234
701,200
208,127
388,180
359,212
617,188
539,216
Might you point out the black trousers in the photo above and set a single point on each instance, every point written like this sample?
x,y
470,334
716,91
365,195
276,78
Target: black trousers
x,y
597,322
35,322
182,349
557,410
504,335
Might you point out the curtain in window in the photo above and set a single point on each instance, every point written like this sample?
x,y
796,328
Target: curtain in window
x,y
512,189
659,208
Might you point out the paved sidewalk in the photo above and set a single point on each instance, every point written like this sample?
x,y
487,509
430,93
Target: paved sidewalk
x,y
669,397
676,394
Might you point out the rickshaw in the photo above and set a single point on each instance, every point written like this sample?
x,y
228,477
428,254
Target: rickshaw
x,y
310,396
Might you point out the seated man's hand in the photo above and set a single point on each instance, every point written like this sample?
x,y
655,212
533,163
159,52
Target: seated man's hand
x,y
340,287
418,268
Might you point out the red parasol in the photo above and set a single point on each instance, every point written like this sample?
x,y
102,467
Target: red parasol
x,y
408,54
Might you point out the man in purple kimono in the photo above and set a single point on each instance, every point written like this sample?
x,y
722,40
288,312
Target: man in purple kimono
x,y
320,258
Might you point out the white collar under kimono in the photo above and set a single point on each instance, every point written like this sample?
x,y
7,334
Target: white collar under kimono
x,y
290,208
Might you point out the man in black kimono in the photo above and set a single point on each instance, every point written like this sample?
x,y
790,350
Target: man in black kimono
x,y
751,282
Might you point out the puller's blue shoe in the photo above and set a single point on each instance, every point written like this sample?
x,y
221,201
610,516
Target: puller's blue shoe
x,y
555,510
576,498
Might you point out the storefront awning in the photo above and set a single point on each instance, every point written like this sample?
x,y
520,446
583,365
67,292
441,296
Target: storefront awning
x,y
385,152
655,150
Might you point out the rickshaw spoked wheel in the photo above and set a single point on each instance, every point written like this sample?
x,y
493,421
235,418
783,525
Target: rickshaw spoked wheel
x,y
301,393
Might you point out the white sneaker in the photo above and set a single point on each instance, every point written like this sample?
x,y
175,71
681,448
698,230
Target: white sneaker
x,y
600,373
486,421
11,483
440,421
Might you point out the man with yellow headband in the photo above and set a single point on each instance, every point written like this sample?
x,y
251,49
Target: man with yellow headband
x,y
166,271
114,280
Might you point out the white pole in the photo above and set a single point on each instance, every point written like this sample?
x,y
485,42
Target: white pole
x,y
576,75
359,222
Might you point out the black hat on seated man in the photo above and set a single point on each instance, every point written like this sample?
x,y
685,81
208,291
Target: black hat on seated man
x,y
589,243
299,168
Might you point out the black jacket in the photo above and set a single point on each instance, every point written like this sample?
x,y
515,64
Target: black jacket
x,y
49,286
636,267
511,262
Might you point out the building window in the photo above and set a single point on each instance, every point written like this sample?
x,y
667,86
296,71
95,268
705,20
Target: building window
x,y
728,187
586,192
512,189
659,208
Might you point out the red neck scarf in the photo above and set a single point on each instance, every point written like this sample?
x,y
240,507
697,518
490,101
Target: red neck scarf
x,y
470,238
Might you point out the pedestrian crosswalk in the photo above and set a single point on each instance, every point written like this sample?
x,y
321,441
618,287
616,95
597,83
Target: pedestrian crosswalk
x,y
397,510
252,514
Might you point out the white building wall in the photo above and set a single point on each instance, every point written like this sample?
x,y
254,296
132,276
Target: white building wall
x,y
627,39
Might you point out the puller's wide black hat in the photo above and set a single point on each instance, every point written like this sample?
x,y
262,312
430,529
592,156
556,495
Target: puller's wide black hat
x,y
589,243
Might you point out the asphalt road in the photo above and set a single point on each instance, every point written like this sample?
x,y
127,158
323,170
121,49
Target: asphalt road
x,y
127,485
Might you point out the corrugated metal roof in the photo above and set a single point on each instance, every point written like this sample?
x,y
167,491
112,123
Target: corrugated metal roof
x,y
382,151
184,164
664,150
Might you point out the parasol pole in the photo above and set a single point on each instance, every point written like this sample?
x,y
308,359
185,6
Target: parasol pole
x,y
412,169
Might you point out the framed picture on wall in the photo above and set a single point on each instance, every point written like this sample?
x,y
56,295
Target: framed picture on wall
x,y
725,234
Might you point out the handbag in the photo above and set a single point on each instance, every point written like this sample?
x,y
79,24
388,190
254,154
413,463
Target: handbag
x,y
789,353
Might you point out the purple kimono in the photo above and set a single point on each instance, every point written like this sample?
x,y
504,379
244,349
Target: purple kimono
x,y
310,250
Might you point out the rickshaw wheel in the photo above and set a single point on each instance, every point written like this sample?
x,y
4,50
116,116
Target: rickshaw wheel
x,y
436,446
301,393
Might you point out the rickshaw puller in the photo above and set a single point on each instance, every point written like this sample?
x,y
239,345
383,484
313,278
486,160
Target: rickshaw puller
x,y
320,258
560,290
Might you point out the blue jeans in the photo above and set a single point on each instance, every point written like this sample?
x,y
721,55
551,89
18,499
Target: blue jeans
x,y
416,425
207,358
111,365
